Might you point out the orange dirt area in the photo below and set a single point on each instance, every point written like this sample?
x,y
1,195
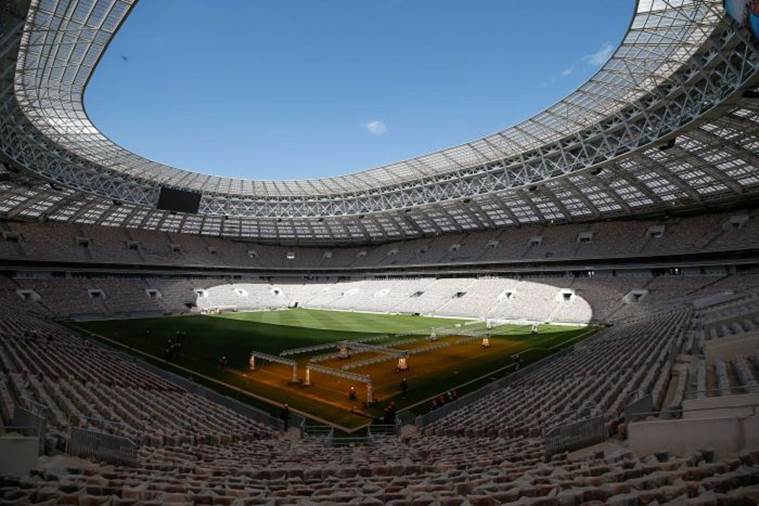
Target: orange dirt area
x,y
426,371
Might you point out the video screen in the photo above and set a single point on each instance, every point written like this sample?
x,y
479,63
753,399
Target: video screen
x,y
178,200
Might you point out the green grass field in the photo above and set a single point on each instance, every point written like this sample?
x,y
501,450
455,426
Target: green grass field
x,y
237,334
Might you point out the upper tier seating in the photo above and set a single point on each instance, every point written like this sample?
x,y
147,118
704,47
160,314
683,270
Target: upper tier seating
x,y
88,243
543,299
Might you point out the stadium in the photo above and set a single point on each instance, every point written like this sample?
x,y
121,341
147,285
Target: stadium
x,y
564,312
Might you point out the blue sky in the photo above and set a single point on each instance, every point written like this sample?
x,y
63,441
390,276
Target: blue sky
x,y
281,89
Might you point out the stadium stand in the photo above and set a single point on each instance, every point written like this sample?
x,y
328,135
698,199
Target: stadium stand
x,y
81,385
630,204
691,235
595,379
540,299
222,458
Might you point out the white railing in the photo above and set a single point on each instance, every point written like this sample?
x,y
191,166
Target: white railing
x,y
97,445
576,435
30,423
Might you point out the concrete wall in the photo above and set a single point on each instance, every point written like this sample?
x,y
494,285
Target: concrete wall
x,y
19,455
729,347
719,407
725,436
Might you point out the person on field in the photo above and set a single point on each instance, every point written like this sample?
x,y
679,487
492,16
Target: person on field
x,y
352,394
285,415
404,386
390,410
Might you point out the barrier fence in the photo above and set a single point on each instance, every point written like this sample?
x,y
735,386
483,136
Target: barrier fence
x,y
746,409
382,429
406,418
30,423
327,436
575,435
717,392
317,431
112,449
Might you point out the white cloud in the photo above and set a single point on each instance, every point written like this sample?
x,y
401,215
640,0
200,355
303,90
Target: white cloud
x,y
595,59
599,57
375,127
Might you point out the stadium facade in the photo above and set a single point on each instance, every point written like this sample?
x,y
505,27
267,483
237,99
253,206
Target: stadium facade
x,y
668,124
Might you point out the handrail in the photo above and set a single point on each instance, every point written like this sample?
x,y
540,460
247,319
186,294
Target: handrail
x,y
381,429
44,410
754,410
575,435
746,390
22,429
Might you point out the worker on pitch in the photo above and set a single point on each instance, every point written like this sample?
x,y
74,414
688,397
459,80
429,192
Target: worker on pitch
x,y
352,393
404,386
284,415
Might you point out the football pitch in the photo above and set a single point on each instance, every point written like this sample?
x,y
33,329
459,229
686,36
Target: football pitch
x,y
454,360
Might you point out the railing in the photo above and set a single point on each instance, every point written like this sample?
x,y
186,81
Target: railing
x,y
318,431
716,392
349,440
406,418
96,421
23,418
329,438
35,407
295,421
379,430
24,431
669,414
113,449
575,436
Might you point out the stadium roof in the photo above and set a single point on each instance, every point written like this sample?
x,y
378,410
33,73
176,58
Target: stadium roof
x,y
664,123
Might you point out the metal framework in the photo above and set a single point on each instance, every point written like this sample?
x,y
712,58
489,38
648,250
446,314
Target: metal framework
x,y
371,348
352,376
670,120
276,359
